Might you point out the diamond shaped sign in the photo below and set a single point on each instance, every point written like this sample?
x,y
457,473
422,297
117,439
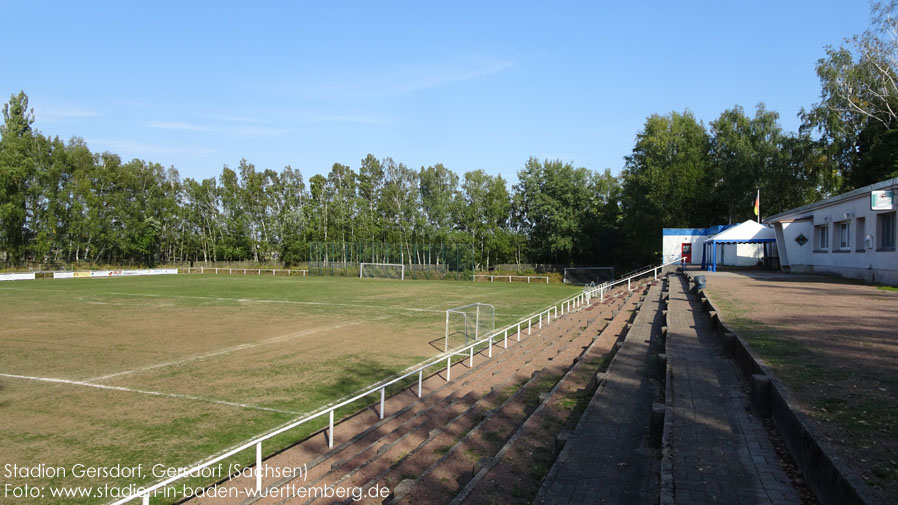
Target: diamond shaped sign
x,y
801,239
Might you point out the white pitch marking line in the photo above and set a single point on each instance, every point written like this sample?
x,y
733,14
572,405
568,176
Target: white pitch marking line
x,y
218,352
145,392
241,347
241,300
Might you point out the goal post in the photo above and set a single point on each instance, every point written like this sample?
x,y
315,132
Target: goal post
x,y
382,270
468,323
585,275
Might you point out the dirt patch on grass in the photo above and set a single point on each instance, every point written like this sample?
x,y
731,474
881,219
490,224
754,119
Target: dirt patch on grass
x,y
834,344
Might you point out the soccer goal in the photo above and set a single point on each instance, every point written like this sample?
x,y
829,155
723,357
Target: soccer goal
x,y
382,270
467,323
585,275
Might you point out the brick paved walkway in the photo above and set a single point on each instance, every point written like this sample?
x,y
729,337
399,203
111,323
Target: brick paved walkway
x,y
607,460
721,452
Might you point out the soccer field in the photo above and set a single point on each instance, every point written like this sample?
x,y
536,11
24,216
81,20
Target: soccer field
x,y
171,369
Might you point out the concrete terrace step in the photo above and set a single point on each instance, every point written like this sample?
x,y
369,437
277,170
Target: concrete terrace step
x,y
716,450
409,414
513,476
391,469
518,427
608,458
454,468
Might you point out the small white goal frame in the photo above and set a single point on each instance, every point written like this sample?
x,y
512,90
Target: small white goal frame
x,y
461,312
400,265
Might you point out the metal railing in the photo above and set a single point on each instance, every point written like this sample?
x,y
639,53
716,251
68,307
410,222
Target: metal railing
x,y
493,277
601,289
540,319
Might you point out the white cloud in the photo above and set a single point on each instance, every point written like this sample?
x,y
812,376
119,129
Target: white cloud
x,y
178,125
356,119
240,131
141,149
57,113
402,79
235,119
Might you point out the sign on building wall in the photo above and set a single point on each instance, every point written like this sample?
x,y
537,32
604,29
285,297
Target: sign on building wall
x,y
882,200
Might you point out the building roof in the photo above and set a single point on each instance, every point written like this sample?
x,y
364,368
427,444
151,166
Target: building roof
x,y
713,230
745,233
886,184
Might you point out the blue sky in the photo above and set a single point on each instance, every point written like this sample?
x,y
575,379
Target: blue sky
x,y
470,85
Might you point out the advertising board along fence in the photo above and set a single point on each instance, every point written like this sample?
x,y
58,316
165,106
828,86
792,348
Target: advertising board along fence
x,y
492,278
25,276
515,330
244,271
114,273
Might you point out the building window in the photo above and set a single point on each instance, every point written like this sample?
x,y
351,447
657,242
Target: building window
x,y
844,235
860,229
821,237
885,225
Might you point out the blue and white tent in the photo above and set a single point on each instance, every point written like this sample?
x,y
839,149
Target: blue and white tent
x,y
749,232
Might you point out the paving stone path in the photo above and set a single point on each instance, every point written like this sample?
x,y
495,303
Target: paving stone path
x,y
607,459
720,450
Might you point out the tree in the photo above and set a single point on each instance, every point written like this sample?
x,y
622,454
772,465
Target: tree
x,y
858,105
664,183
555,202
439,197
16,169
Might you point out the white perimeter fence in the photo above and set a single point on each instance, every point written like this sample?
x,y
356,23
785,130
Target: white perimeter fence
x,y
515,329
509,277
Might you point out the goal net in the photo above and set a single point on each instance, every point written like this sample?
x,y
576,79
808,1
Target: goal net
x,y
467,323
382,270
585,275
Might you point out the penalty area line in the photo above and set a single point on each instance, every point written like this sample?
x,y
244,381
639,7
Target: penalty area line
x,y
177,396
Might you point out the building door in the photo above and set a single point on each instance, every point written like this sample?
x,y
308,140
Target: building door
x,y
686,252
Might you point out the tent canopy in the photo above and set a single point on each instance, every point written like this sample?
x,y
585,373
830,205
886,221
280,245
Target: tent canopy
x,y
749,232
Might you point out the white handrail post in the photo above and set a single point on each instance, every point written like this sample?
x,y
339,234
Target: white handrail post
x,y
519,331
506,338
420,381
448,367
540,320
655,273
259,467
490,354
146,499
529,324
471,358
383,393
330,433
628,284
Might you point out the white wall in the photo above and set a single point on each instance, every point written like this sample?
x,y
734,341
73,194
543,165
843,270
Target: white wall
x,y
867,264
672,247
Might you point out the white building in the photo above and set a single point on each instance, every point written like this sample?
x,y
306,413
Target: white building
x,y
852,234
688,242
